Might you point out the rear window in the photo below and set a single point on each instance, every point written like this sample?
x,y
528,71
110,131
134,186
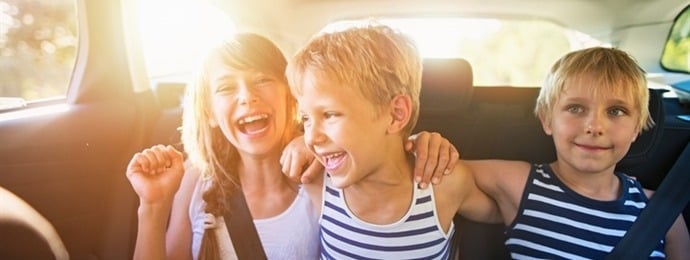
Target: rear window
x,y
503,52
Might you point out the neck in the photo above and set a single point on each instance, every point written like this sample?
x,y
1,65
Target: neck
x,y
602,185
260,172
394,172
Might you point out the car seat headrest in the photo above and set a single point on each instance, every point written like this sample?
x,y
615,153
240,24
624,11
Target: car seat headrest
x,y
446,86
643,148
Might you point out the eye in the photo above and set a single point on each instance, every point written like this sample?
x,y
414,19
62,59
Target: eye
x,y
226,88
574,109
263,80
329,115
618,111
304,120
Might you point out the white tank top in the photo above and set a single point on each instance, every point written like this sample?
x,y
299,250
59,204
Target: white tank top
x,y
292,234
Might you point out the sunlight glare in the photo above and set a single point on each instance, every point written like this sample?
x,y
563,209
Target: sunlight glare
x,y
176,33
435,37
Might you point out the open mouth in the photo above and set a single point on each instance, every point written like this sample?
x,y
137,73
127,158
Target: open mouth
x,y
254,124
333,160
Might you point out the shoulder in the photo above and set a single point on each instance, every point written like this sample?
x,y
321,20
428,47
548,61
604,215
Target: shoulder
x,y
189,180
632,182
315,190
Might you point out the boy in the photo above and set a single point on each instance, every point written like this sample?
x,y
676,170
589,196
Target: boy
x,y
358,96
594,105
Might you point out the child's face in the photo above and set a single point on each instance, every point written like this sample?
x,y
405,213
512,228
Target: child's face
x,y
249,107
591,133
342,129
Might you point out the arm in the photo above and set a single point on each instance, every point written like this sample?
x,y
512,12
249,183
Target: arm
x,y
475,204
678,240
503,181
677,237
435,157
178,240
155,175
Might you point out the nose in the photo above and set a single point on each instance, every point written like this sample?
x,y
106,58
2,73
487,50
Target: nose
x,y
245,93
313,134
595,124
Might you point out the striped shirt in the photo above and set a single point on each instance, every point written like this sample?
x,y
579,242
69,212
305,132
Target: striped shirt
x,y
417,235
555,222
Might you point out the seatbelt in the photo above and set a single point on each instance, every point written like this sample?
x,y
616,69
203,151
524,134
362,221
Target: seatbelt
x,y
240,225
657,217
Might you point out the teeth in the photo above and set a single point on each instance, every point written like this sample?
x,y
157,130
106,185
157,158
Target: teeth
x,y
253,118
333,155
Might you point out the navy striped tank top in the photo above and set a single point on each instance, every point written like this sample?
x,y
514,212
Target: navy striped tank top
x,y
555,222
417,235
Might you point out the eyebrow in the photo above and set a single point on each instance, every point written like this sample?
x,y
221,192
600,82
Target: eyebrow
x,y
612,101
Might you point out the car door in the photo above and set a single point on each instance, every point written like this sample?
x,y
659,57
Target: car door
x,y
67,156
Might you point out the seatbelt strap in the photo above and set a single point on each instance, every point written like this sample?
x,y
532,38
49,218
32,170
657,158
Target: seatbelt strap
x,y
663,208
241,228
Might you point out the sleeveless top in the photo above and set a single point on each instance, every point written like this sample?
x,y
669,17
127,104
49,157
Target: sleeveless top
x,y
293,234
555,222
417,235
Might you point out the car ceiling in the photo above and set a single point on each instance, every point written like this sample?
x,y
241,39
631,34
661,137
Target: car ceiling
x,y
292,22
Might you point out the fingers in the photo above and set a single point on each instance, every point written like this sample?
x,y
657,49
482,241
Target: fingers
x,y
298,163
444,153
454,157
295,158
421,152
409,144
312,172
435,156
155,160
432,159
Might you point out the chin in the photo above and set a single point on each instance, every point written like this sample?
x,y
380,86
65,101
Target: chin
x,y
340,182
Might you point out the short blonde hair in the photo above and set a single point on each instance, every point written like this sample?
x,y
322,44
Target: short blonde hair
x,y
375,59
608,69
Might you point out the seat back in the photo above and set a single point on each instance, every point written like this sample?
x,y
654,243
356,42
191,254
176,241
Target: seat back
x,y
444,97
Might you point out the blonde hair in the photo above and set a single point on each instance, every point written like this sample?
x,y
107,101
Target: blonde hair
x,y
379,61
208,149
607,69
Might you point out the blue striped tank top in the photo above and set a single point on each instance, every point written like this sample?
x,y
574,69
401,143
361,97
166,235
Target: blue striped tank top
x,y
555,222
417,235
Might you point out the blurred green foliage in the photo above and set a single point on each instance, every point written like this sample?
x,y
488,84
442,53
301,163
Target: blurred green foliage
x,y
38,43
677,51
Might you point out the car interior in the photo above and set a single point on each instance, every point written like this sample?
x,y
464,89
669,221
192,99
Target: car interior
x,y
66,157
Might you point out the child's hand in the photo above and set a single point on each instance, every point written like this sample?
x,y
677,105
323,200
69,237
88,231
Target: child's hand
x,y
155,174
298,162
436,156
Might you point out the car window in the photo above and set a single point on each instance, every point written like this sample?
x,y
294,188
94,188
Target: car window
x,y
503,52
38,46
676,56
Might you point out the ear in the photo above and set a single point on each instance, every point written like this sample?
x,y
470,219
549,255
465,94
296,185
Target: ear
x,y
637,133
545,124
401,111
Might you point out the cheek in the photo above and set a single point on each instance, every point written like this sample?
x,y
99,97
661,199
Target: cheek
x,y
219,111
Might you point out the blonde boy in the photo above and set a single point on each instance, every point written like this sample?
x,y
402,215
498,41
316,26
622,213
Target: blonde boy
x,y
594,105
358,95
